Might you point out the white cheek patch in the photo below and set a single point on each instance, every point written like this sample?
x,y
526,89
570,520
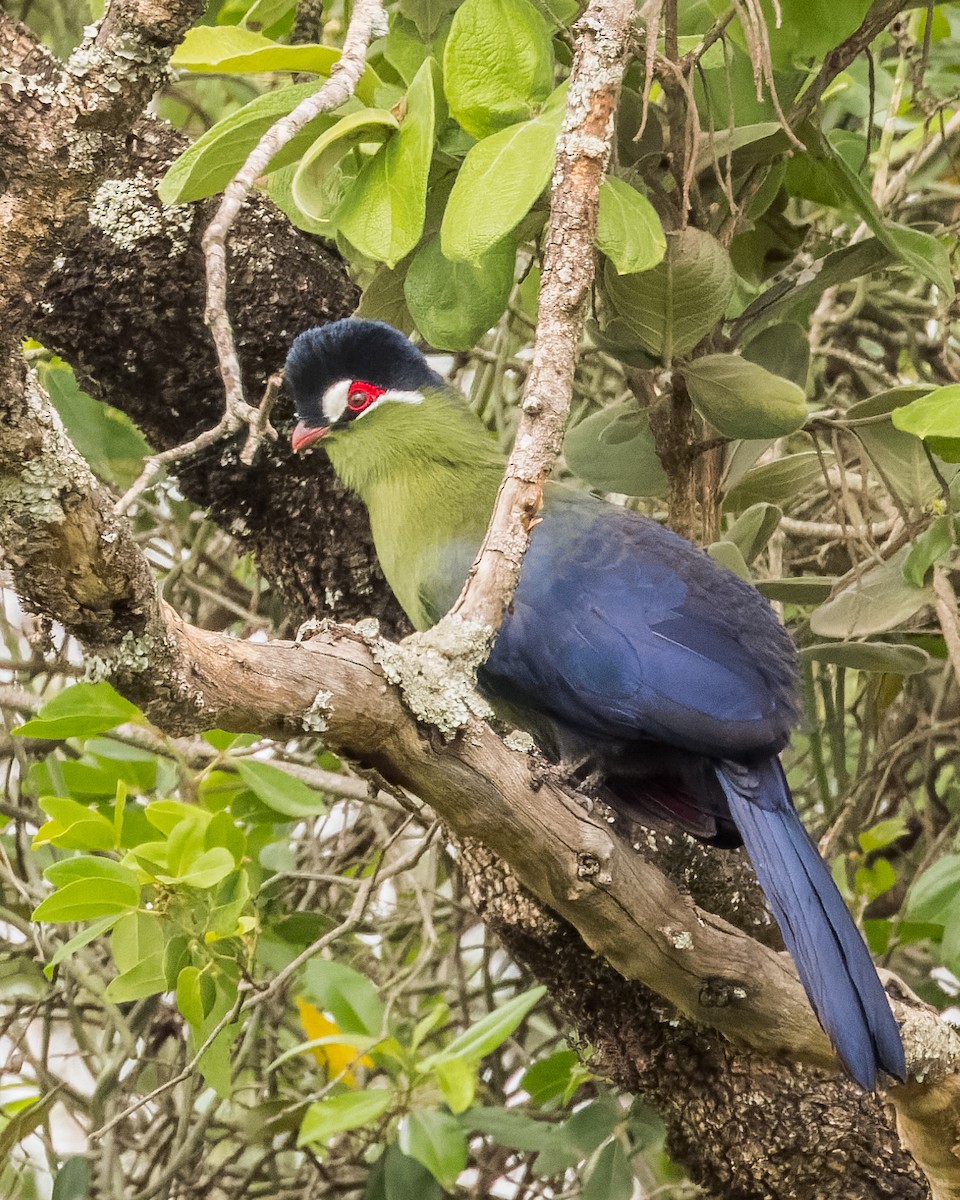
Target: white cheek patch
x,y
334,401
391,397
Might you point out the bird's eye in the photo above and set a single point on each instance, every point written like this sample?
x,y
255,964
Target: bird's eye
x,y
361,396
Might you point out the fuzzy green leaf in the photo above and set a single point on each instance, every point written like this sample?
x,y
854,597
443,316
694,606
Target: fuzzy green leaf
x,y
499,181
455,303
497,64
742,400
673,306
383,210
629,231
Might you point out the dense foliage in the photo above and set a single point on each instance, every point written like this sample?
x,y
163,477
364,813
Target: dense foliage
x,y
267,955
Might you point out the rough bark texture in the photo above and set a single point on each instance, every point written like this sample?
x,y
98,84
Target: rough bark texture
x,y
820,1126
125,308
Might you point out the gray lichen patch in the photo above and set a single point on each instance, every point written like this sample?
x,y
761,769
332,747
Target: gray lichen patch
x,y
519,741
436,671
132,656
315,718
34,494
126,211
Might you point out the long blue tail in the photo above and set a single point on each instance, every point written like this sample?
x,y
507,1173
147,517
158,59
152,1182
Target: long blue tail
x,y
832,960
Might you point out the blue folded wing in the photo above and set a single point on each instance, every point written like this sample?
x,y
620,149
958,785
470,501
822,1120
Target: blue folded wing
x,y
625,630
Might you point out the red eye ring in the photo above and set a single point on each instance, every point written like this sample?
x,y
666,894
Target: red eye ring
x,y
361,395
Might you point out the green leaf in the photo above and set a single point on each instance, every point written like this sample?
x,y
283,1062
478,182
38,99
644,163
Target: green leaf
x,y
800,589
783,349
395,1176
936,892
497,64
93,867
803,292
753,529
135,937
316,183
676,304
24,1122
936,541
73,826
614,450
882,834
383,299
780,481
618,339
730,556
78,941
491,1030
742,400
214,1064
280,791
144,978
873,879
590,1126
79,711
879,600
208,165
515,1129
455,303
935,418
499,181
351,998
549,1078
437,1141
205,871
230,50
457,1081
920,251
336,1114
383,211
722,143
894,658
610,1175
426,14
112,445
72,1181
900,458
190,996
924,253
629,231
84,899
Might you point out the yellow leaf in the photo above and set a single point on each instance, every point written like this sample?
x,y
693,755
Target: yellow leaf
x,y
334,1056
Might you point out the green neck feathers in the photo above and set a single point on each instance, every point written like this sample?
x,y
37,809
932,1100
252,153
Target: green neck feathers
x,y
428,474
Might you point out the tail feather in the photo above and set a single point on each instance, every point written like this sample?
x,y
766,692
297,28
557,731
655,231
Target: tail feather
x,y
831,958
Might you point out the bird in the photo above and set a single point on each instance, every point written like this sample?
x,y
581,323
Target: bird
x,y
625,647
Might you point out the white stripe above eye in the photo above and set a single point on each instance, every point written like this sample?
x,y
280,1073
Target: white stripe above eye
x,y
334,401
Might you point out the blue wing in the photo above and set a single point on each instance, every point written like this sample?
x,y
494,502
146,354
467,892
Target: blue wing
x,y
623,630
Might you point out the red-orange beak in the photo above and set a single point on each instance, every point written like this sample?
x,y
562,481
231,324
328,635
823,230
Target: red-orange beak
x,y
305,435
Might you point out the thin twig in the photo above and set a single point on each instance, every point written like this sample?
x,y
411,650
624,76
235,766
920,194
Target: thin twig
x,y
367,16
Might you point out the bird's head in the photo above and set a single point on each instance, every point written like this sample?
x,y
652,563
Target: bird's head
x,y
343,372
